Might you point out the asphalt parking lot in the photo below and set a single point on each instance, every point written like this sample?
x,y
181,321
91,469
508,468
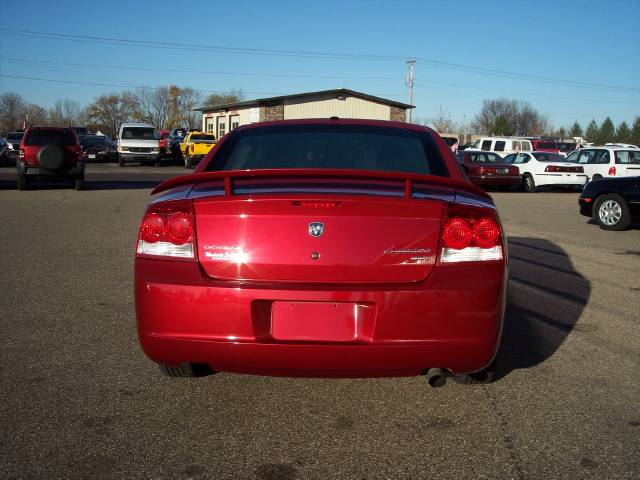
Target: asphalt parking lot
x,y
78,399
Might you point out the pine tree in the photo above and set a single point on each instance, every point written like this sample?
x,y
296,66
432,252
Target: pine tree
x,y
635,132
606,132
592,132
576,130
623,133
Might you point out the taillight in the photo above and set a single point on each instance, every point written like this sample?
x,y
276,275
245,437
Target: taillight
x,y
193,148
551,168
558,168
470,235
168,230
487,170
612,171
21,154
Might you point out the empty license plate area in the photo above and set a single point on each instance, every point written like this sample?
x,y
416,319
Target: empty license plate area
x,y
322,321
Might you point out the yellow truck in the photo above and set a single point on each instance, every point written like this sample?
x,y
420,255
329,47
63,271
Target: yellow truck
x,y
195,146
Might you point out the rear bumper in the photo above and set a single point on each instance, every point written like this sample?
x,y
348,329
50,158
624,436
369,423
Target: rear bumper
x,y
75,171
560,179
498,181
451,321
586,209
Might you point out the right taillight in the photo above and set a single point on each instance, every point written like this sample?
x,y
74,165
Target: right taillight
x,y
21,154
168,230
470,237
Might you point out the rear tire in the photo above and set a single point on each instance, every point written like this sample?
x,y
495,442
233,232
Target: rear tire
x,y
528,183
187,370
479,378
612,212
23,182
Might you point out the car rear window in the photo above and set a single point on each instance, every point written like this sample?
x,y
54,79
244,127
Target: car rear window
x,y
50,137
548,157
485,157
360,147
139,133
15,136
90,141
567,147
203,138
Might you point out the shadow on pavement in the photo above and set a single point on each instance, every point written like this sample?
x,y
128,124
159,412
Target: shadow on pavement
x,y
546,298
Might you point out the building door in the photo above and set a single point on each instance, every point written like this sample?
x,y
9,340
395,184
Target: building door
x,y
221,127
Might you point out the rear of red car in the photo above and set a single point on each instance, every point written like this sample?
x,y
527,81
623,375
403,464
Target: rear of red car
x,y
50,152
486,169
322,248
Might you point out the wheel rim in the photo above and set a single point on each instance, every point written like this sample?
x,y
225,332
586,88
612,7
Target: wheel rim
x,y
610,212
529,182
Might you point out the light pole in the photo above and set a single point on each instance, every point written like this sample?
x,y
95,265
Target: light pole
x,y
411,63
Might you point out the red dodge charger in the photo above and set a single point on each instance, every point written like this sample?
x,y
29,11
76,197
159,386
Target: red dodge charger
x,y
322,248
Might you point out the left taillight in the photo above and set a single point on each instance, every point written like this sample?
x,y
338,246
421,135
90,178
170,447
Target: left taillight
x,y
168,231
21,154
470,235
612,171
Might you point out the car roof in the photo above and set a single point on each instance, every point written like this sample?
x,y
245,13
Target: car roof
x,y
340,121
136,124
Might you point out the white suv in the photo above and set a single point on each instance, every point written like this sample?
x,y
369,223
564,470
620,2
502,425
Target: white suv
x,y
602,162
138,142
501,145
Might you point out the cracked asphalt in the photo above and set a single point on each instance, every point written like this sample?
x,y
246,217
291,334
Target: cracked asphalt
x,y
78,399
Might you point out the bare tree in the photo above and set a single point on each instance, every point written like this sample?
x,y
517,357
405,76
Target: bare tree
x,y
502,116
66,113
12,110
442,122
108,112
153,106
35,115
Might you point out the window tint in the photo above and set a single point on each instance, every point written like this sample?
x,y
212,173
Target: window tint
x,y
15,137
91,141
486,145
485,158
139,133
202,138
330,146
50,137
548,157
604,157
499,146
586,156
522,158
547,145
509,158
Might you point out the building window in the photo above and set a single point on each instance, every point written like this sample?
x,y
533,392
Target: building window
x,y
222,126
209,125
234,122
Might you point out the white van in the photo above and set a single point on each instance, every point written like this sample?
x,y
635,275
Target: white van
x,y
502,145
138,142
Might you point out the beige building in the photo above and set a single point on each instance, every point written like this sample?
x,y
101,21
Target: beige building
x,y
342,103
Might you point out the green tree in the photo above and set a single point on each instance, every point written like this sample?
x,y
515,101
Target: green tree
x,y
562,133
576,130
592,132
502,126
606,132
623,133
635,132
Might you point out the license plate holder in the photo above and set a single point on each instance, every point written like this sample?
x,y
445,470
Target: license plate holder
x,y
321,321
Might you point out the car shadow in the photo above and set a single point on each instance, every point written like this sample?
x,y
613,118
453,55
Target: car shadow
x,y
545,301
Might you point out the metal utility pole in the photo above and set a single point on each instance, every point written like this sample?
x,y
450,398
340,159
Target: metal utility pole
x,y
411,63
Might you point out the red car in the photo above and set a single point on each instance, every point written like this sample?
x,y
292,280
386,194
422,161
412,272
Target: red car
x,y
545,145
50,152
322,248
164,142
488,169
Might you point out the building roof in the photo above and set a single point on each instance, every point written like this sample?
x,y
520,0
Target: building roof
x,y
336,91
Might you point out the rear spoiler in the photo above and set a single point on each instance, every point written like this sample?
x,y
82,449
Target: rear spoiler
x,y
228,176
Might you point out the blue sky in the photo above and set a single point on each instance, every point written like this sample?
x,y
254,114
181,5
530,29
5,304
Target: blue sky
x,y
579,42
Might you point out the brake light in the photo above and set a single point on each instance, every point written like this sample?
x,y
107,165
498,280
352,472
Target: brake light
x,y
558,168
21,154
167,230
193,148
487,170
469,235
612,171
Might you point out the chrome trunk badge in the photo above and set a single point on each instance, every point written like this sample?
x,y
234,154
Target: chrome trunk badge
x,y
316,229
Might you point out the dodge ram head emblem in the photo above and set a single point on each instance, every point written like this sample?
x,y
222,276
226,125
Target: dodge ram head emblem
x,y
316,229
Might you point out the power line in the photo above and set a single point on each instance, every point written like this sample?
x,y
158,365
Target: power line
x,y
312,54
145,87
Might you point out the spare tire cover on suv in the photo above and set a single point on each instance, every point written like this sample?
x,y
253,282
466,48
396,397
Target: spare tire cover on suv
x,y
51,157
